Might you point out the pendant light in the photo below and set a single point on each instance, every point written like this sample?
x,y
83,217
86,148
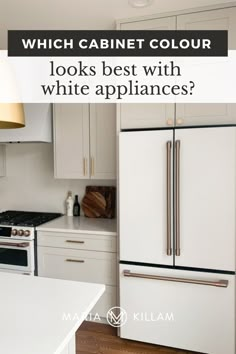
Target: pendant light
x,y
11,116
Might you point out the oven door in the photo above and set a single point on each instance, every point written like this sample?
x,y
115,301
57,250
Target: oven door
x,y
17,255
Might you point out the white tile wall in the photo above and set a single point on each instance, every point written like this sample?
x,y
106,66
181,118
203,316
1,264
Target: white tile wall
x,y
29,183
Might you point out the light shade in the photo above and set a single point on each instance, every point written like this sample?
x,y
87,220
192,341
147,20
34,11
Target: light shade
x,y
11,116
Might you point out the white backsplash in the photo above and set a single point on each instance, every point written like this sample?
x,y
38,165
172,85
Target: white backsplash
x,y
29,183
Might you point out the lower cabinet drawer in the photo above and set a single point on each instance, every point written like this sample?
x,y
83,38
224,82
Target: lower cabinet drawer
x,y
184,315
79,241
88,266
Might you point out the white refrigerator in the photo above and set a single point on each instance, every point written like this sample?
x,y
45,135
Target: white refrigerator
x,y
177,215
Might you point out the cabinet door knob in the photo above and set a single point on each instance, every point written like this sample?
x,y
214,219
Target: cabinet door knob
x,y
169,122
180,121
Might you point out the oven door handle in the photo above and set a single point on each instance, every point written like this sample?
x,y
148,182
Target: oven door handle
x,y
15,244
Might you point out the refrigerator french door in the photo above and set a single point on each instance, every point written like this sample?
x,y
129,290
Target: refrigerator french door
x,y
177,236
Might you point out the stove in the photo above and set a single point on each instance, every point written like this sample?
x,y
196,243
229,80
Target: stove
x,y
26,218
18,251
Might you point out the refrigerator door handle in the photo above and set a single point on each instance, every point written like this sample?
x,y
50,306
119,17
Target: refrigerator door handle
x,y
217,283
177,202
169,249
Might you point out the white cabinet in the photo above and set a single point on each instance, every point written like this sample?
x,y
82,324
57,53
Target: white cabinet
x,y
203,191
80,265
188,316
2,160
143,115
71,143
138,116
80,257
84,141
222,19
207,114
103,141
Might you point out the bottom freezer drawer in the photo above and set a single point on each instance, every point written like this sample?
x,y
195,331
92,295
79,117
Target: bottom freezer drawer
x,y
181,309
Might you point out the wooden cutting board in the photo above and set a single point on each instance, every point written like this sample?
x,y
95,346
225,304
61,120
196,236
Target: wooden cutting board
x,y
99,202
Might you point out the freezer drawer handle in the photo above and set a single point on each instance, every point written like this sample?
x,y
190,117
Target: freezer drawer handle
x,y
74,260
177,193
18,244
74,241
218,283
168,196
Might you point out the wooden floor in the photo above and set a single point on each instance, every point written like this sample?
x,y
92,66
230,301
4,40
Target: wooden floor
x,y
96,338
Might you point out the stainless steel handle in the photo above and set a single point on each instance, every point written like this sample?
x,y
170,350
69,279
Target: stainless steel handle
x,y
169,249
74,241
75,260
177,193
217,283
17,244
84,166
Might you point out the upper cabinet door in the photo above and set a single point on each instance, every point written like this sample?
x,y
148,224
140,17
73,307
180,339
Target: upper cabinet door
x,y
207,197
71,141
136,116
208,114
103,141
143,181
222,19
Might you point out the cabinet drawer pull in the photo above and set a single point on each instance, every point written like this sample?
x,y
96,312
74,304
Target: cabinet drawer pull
x,y
75,260
74,241
218,283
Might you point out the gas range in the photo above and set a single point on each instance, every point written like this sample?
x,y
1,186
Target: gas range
x,y
21,224
18,239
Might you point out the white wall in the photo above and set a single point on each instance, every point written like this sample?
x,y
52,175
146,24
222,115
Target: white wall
x,y
30,185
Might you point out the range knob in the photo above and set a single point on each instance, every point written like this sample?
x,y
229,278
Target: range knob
x,y
14,232
20,232
27,233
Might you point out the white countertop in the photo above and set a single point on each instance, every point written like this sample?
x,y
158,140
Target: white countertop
x,y
32,308
81,225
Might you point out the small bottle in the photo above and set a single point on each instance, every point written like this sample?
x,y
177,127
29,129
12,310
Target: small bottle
x,y
69,204
76,207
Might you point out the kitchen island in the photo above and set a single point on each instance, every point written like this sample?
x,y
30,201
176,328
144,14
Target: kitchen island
x,y
41,315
